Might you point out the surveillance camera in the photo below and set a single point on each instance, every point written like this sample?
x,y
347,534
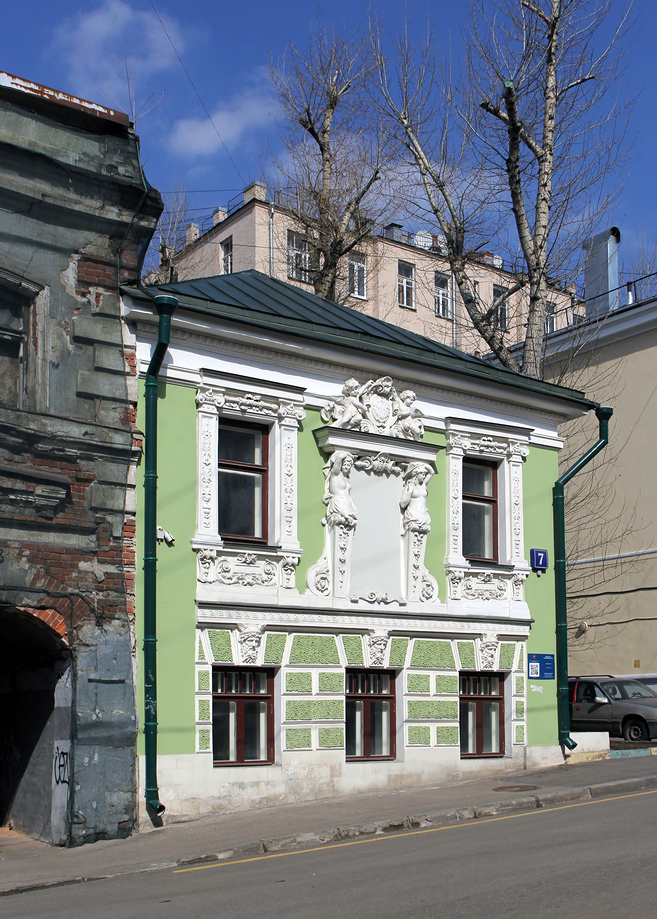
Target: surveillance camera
x,y
163,535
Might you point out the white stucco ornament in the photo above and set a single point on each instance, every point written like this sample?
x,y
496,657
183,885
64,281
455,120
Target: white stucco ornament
x,y
376,408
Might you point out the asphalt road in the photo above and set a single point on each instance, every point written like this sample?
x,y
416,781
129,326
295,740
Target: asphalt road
x,y
592,860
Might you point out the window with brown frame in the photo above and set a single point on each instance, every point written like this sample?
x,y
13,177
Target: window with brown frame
x,y
243,480
481,714
479,523
242,716
370,704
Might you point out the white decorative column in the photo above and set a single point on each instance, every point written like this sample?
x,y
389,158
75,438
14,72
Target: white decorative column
x,y
518,452
289,416
455,445
207,510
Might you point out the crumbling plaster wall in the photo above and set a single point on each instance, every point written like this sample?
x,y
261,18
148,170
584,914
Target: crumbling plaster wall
x,y
76,216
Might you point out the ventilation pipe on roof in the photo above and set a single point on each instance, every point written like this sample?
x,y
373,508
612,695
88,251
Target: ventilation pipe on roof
x,y
165,306
603,414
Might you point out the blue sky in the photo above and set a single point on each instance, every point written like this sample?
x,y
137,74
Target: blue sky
x,y
81,48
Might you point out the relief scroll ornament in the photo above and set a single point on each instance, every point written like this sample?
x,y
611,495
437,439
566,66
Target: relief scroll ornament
x,y
376,408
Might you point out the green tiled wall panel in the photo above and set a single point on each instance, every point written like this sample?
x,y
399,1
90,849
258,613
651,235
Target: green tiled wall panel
x,y
298,738
419,735
275,648
520,684
398,649
330,737
201,651
204,740
203,682
421,709
447,735
447,682
507,653
353,649
467,654
298,682
432,653
418,682
220,645
520,708
314,710
203,709
331,682
314,649
520,733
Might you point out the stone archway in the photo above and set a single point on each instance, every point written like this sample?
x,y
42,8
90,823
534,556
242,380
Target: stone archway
x,y
35,722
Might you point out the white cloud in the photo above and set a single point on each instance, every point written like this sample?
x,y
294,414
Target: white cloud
x,y
246,113
94,47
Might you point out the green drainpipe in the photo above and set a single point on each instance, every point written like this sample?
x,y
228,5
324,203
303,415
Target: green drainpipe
x,y
603,415
165,306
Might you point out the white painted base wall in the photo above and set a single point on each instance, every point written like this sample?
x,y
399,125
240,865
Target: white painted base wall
x,y
190,786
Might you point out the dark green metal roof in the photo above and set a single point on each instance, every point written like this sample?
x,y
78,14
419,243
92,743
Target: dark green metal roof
x,y
255,299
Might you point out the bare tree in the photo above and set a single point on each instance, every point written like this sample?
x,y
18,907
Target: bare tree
x,y
462,192
333,153
169,236
532,115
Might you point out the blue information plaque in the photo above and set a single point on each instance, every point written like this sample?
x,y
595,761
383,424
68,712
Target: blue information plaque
x,y
540,666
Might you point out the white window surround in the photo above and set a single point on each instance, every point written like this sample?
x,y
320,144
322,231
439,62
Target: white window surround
x,y
508,448
229,569
357,276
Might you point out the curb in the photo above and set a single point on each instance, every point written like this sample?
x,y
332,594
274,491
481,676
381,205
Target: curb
x,y
376,828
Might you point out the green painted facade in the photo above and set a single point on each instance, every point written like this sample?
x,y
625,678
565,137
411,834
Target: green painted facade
x,y
176,571
540,471
310,505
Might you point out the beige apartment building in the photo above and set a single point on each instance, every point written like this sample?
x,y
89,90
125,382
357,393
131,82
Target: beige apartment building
x,y
612,504
397,276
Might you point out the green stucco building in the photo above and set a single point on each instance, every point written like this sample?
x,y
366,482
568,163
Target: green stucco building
x,y
348,604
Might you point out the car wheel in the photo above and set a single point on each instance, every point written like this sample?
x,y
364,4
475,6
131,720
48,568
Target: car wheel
x,y
635,730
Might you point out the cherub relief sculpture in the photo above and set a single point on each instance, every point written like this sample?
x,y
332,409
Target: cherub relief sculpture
x,y
376,408
413,501
337,490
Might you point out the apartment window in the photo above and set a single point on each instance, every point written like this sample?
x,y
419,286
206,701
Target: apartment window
x,y
441,295
501,310
481,714
406,285
227,256
298,257
243,452
370,701
357,276
480,511
550,317
242,716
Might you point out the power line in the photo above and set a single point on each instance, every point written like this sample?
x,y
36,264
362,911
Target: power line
x,y
198,94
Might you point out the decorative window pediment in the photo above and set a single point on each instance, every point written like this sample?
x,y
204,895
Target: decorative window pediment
x,y
484,468
247,538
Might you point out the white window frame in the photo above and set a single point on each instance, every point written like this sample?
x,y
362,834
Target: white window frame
x,y
227,256
441,296
406,284
231,569
357,276
299,267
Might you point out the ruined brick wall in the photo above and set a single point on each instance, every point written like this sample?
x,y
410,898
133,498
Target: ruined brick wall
x,y
76,216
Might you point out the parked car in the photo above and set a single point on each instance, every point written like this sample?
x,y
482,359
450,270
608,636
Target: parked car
x,y
624,708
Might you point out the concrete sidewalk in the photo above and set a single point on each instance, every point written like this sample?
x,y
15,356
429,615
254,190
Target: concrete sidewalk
x,y
26,864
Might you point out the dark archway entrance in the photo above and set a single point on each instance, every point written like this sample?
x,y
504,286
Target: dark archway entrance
x,y
35,724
